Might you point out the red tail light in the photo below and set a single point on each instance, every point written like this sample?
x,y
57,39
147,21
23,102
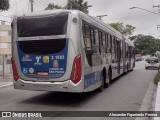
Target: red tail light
x,y
15,73
76,70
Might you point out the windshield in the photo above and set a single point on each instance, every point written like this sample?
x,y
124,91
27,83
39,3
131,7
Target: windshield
x,y
42,26
42,46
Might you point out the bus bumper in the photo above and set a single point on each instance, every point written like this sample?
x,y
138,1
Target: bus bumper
x,y
66,86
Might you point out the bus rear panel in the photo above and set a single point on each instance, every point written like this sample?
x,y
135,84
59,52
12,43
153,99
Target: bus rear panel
x,y
44,57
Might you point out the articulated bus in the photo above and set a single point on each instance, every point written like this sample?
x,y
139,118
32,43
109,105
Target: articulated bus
x,y
67,51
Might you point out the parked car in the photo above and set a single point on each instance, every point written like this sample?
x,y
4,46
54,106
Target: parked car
x,y
138,57
152,62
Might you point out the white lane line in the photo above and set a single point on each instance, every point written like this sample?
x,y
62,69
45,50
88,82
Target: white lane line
x,y
6,85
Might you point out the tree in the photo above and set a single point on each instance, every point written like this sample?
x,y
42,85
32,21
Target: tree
x,y
71,4
158,54
126,30
146,44
4,5
77,5
52,6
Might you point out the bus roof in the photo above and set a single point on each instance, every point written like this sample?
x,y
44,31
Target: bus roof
x,y
42,13
56,11
129,42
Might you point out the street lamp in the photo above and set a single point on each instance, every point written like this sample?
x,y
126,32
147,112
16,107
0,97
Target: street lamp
x,y
100,16
89,6
144,10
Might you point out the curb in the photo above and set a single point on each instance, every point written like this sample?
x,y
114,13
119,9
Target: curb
x,y
6,85
147,100
157,104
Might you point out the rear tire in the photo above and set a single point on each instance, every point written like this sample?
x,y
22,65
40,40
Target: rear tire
x,y
127,68
105,84
109,76
100,89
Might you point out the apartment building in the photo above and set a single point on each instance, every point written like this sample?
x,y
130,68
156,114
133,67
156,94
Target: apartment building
x,y
5,49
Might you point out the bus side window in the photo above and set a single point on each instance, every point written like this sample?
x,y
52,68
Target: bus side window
x,y
113,39
87,42
103,42
100,37
106,39
103,39
92,36
115,48
109,43
84,30
121,50
100,40
97,41
87,38
125,51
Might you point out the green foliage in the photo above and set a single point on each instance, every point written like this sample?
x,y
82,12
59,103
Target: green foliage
x,y
158,54
52,6
126,30
71,4
146,44
157,78
4,5
77,5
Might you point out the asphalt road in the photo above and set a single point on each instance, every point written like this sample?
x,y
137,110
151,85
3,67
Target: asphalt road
x,y
125,94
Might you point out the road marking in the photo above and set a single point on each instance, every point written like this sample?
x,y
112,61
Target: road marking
x,y
6,85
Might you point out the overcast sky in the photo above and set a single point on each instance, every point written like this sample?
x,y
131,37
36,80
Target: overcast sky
x,y
117,11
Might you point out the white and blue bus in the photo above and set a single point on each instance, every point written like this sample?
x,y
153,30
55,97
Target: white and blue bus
x,y
67,51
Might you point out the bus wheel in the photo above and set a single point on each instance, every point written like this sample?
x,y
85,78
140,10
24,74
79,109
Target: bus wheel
x,y
127,68
106,84
109,76
104,77
100,89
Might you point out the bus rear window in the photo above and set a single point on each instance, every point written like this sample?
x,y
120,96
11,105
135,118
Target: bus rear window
x,y
42,46
42,26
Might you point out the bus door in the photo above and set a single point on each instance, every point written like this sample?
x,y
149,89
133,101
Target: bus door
x,y
118,56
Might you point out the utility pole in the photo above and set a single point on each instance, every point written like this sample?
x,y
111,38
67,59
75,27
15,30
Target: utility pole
x,y
158,26
31,1
158,7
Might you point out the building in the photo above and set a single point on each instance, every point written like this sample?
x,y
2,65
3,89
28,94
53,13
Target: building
x,y
5,49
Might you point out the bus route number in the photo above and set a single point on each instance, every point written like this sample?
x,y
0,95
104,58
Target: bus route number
x,y
58,57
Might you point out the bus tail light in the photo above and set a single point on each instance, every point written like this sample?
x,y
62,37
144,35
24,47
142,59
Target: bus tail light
x,y
15,73
76,70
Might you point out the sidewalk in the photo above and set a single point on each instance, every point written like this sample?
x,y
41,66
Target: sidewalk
x,y
157,102
5,81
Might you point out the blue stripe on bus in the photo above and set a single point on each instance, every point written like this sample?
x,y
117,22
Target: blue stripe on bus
x,y
92,78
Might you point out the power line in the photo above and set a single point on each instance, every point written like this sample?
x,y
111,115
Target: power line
x,y
16,3
38,4
44,2
41,3
155,16
63,3
47,1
